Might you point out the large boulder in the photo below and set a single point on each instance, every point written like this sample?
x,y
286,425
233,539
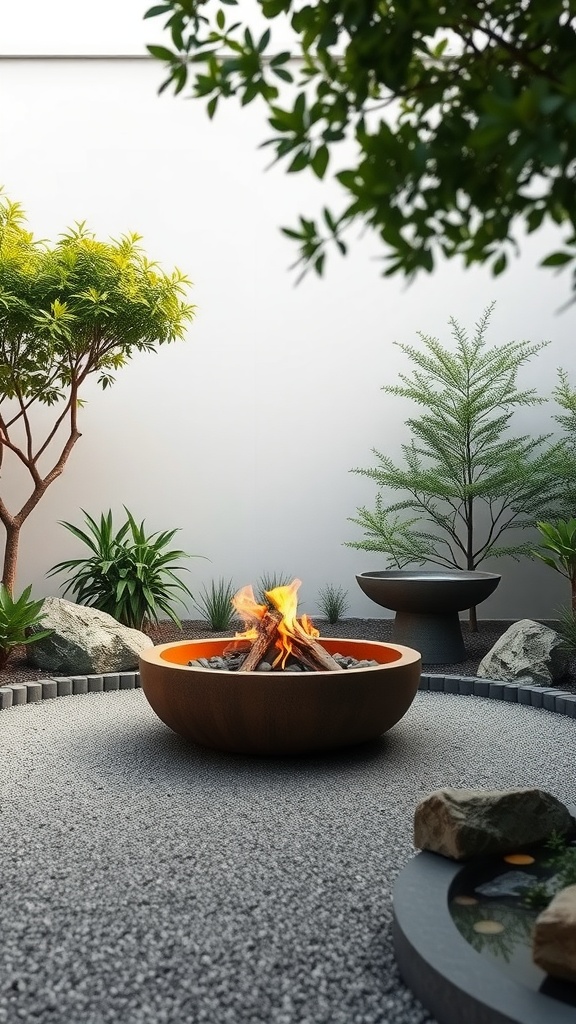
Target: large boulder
x,y
84,641
464,823
526,649
554,936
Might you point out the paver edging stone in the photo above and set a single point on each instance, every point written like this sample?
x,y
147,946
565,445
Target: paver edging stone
x,y
560,702
65,686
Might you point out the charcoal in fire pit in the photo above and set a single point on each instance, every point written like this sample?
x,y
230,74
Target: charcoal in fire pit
x,y
231,663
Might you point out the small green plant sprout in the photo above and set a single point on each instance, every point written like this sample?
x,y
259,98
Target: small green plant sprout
x,y
562,861
129,574
17,615
565,395
332,602
566,628
537,896
269,581
559,551
215,604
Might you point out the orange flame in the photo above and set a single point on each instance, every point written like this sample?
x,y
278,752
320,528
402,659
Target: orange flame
x,y
290,627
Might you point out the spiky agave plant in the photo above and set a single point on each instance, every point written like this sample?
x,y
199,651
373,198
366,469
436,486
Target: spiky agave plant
x,y
17,617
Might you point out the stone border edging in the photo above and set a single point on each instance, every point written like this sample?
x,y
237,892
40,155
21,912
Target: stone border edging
x,y
14,694
560,702
548,698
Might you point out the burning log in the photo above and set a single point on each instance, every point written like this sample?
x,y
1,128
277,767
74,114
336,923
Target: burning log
x,y
311,653
267,631
280,627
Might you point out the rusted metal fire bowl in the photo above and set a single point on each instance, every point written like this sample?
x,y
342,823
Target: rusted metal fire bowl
x,y
279,712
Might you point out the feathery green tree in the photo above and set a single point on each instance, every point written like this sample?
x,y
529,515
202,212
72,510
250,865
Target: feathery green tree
x,y
565,396
467,479
67,311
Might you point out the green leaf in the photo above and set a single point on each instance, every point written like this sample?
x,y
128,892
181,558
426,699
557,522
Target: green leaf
x,y
162,53
153,12
272,8
284,75
280,58
319,161
557,259
300,161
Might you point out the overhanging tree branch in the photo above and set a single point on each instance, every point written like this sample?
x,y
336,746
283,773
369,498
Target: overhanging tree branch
x,y
479,136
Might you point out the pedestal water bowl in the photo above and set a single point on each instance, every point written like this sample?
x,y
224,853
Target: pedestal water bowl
x,y
279,712
427,603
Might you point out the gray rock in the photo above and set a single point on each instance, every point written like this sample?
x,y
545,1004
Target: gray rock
x,y
464,823
527,648
511,883
554,936
84,641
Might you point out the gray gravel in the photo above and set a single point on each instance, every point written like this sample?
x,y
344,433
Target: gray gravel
x,y
145,880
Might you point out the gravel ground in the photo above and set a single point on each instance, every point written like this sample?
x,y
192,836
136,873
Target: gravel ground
x,y
149,881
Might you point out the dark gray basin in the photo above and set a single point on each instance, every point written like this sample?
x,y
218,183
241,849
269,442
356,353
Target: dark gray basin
x,y
427,602
428,590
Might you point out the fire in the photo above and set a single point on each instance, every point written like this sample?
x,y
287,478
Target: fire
x,y
290,627
248,609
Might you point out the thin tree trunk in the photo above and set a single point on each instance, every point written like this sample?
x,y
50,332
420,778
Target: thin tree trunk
x,y
472,617
13,523
11,556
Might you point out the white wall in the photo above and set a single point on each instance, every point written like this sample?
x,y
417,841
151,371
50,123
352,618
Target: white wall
x,y
71,27
244,435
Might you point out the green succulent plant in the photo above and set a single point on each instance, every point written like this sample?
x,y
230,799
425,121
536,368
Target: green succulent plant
x,y
559,550
17,615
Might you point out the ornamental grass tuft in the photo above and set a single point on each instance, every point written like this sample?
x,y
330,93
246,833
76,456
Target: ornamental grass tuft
x,y
215,604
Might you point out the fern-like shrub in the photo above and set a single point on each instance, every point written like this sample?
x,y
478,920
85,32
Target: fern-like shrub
x,y
465,479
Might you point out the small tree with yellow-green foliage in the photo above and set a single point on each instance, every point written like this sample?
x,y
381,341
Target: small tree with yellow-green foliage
x,y
67,311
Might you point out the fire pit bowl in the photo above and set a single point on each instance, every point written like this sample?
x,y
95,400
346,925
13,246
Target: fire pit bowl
x,y
279,712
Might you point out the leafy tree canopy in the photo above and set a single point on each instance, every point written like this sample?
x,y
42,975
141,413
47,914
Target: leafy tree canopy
x,y
463,116
77,308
